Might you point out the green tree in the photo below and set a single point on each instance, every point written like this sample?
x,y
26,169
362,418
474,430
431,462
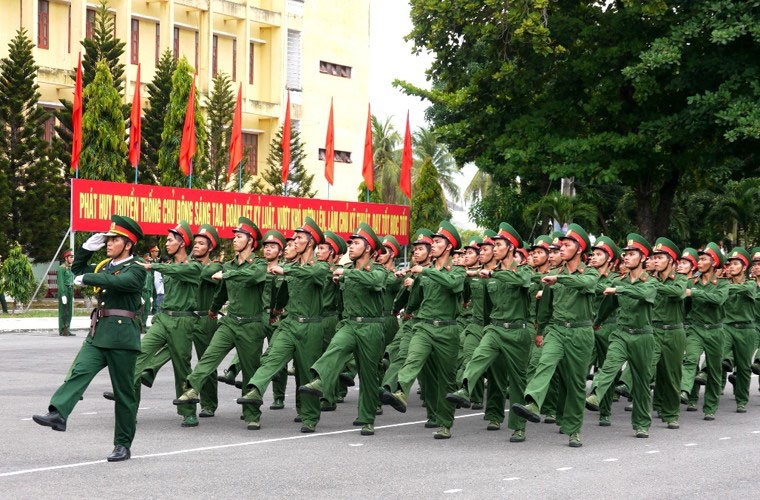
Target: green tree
x,y
505,203
171,136
104,144
17,278
561,208
374,196
220,107
387,160
478,186
159,91
426,144
33,196
428,207
299,180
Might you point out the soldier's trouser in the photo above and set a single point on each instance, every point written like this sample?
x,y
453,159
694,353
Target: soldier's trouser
x,y
301,342
436,348
404,336
365,342
569,351
512,347
121,369
247,339
741,343
473,334
550,401
176,333
636,349
666,364
280,381
601,346
65,311
390,328
329,327
709,341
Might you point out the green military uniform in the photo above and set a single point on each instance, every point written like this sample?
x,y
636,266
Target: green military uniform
x,y
705,333
564,318
392,287
272,291
114,338
632,339
435,339
65,281
330,311
299,334
739,328
147,301
755,257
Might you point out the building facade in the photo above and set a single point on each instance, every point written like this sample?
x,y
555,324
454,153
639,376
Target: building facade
x,y
319,49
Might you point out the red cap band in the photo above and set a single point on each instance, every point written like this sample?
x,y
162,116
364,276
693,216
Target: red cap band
x,y
509,237
362,233
443,232
310,230
606,249
713,256
123,232
181,231
576,238
638,246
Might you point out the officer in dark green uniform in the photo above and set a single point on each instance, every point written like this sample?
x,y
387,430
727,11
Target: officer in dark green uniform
x,y
299,334
114,338
360,331
435,337
392,286
632,339
739,323
65,280
704,333
565,325
242,283
508,336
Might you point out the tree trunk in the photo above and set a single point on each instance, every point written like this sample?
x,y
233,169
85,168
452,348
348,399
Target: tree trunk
x,y
654,212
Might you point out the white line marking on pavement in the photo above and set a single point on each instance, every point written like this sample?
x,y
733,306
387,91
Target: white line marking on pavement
x,y
652,451
26,419
356,444
89,413
511,479
457,490
610,460
224,446
690,444
562,469
724,438
755,432
143,408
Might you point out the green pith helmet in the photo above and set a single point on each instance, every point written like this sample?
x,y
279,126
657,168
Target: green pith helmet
x,y
691,255
555,237
755,254
310,227
608,246
336,243
274,236
578,235
246,225
366,232
423,237
474,243
209,232
666,246
124,226
739,253
544,241
390,242
637,242
713,250
488,235
182,230
507,232
447,230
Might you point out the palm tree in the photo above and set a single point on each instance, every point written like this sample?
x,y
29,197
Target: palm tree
x,y
387,159
426,145
478,186
739,202
563,209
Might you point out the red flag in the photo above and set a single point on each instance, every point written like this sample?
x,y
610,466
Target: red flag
x,y
187,146
368,168
76,119
286,143
236,139
406,162
135,121
330,148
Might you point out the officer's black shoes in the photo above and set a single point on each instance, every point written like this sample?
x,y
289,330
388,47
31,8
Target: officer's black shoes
x,y
517,437
477,406
277,404
396,399
701,378
358,423
529,411
147,377
313,388
308,429
109,396
727,365
325,405
709,416
252,397
459,398
431,424
622,390
52,419
297,419
684,397
592,402
347,380
228,377
206,413
119,454
189,397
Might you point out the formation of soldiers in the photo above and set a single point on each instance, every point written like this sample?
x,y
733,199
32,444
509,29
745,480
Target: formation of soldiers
x,y
475,323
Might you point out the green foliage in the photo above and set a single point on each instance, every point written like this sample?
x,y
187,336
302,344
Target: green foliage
x,y
16,275
428,203
561,208
426,144
159,91
387,146
171,136
299,180
220,107
104,144
504,203
33,196
374,196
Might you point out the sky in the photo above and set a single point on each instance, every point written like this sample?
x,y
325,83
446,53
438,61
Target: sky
x,y
392,58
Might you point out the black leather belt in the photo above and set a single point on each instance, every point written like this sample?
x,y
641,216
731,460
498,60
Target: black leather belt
x,y
707,326
439,322
574,324
743,325
366,319
303,319
179,314
662,326
509,326
244,319
636,331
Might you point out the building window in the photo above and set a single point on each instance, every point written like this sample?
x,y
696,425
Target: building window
x,y
214,54
176,43
340,156
250,152
43,24
49,125
89,23
135,42
158,43
334,69
250,65
234,60
197,50
294,60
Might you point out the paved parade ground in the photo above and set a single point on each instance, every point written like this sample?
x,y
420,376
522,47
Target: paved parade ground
x,y
221,459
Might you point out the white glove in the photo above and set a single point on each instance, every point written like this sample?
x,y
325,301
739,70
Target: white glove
x,y
78,280
64,300
95,242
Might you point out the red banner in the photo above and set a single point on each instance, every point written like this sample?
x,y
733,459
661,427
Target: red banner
x,y
157,208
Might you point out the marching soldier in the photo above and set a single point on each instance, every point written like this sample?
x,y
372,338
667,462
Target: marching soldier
x,y
392,286
65,281
114,338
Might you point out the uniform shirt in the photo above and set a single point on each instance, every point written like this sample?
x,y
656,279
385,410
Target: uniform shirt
x,y
440,291
208,287
242,285
392,288
669,305
305,283
570,299
705,306
605,280
362,290
330,292
65,281
181,281
633,301
508,294
477,292
741,303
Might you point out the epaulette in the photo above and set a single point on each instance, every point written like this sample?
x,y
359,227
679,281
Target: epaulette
x,y
368,268
715,281
448,268
644,278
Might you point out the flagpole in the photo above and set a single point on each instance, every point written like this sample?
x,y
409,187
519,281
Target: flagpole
x,y
367,195
135,173
240,177
190,178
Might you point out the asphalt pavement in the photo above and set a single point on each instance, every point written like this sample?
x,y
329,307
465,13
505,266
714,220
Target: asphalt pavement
x,y
220,458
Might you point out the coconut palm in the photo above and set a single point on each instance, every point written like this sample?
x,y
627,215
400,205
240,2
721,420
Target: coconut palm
x,y
425,144
478,186
387,159
563,209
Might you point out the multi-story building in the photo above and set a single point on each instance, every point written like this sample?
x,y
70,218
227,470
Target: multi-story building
x,y
319,49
